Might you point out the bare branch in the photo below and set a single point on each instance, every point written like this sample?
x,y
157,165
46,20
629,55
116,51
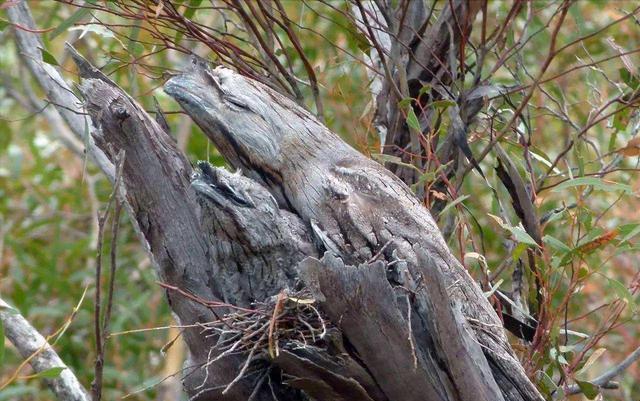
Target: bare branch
x,y
604,379
40,355
58,91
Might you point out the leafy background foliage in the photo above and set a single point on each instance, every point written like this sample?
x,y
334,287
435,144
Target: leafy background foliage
x,y
588,265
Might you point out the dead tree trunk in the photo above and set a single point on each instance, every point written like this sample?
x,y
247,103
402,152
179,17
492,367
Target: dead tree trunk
x,y
313,273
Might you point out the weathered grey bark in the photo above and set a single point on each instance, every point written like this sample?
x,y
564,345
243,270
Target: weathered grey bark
x,y
238,239
156,178
258,244
418,56
358,211
238,247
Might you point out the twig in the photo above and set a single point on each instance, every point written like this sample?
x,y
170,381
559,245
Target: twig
x,y
244,367
273,347
100,329
410,333
112,274
604,379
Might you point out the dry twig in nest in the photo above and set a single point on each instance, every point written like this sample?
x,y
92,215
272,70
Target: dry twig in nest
x,y
287,318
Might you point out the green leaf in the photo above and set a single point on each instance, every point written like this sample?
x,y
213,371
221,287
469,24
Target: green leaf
x,y
547,384
556,244
621,119
521,236
412,120
629,79
518,233
136,48
612,140
544,159
454,203
193,5
48,57
493,289
75,17
188,14
596,183
590,361
629,231
50,373
517,251
425,88
589,390
622,292
4,24
361,41
405,102
579,154
97,29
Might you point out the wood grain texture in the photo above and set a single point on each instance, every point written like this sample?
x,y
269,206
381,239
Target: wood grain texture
x,y
400,302
355,207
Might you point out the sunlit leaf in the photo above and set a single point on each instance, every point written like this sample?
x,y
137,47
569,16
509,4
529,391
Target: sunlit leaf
x,y
591,360
50,373
596,183
412,120
518,233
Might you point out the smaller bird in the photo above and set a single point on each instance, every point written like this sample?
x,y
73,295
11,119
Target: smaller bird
x,y
254,244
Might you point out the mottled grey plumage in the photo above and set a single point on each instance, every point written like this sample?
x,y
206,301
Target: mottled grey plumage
x,y
256,244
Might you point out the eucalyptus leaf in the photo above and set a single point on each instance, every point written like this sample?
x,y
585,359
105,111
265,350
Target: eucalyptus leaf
x,y
50,373
596,183
48,57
